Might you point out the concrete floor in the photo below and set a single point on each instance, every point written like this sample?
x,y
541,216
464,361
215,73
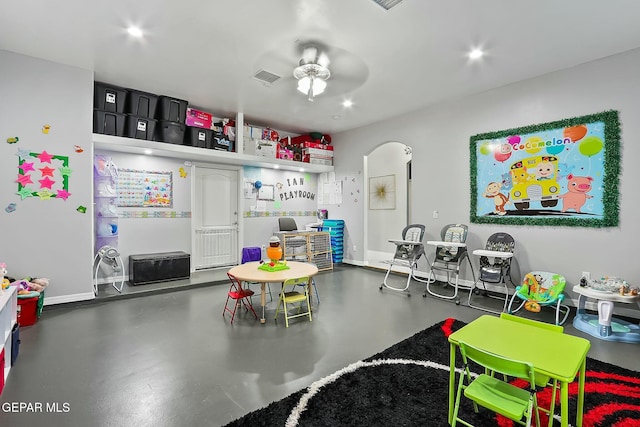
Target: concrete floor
x,y
171,359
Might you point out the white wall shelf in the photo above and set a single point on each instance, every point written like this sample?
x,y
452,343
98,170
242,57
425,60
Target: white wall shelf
x,y
163,149
8,318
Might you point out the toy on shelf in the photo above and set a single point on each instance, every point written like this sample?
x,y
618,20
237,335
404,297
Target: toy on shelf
x,y
274,252
3,272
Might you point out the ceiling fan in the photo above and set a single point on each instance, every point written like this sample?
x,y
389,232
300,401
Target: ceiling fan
x,y
313,68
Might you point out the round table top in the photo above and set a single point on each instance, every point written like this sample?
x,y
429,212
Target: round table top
x,y
249,272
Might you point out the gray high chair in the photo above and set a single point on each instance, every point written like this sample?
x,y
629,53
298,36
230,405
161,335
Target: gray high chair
x,y
451,251
495,268
408,250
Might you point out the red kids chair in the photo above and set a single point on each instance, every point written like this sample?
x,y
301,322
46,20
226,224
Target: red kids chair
x,y
240,295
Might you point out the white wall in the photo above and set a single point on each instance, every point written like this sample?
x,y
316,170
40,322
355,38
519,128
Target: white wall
x,y
47,238
440,140
149,235
296,196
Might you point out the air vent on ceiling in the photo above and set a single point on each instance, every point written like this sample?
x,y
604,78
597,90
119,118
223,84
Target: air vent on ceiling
x,y
266,77
387,4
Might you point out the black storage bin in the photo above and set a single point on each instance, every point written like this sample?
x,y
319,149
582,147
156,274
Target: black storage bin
x,y
142,104
172,109
159,267
171,132
108,97
198,137
140,127
108,122
15,343
221,142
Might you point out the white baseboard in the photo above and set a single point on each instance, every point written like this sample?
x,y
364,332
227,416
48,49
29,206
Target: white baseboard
x,y
68,298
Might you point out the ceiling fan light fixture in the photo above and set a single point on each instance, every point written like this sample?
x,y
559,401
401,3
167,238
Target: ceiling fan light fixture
x,y
311,79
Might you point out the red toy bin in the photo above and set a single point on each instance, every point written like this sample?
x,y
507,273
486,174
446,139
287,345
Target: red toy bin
x,y
27,311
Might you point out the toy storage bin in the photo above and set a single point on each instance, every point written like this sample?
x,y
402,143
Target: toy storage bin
x,y
221,142
142,104
108,97
140,127
172,109
27,311
159,267
171,132
198,137
108,122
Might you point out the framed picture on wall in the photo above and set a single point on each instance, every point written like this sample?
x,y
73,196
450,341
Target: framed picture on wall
x,y
382,192
562,173
266,192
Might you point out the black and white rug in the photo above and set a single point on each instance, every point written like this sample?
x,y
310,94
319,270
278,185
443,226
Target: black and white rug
x,y
407,385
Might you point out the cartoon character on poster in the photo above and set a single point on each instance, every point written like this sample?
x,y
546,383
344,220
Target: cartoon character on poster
x,y
556,172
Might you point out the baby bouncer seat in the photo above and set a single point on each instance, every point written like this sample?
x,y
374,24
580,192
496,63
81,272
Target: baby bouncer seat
x,y
451,251
540,289
495,268
408,250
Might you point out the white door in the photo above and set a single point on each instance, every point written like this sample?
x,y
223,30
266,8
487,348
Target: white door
x,y
214,217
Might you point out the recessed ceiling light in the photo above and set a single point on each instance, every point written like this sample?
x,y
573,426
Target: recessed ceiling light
x,y
134,31
347,103
276,166
476,54
148,151
301,169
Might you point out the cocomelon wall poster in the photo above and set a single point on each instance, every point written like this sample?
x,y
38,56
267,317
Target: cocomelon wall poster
x,y
558,173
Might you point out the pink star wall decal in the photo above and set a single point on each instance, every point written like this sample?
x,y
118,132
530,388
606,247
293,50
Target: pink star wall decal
x,y
26,167
24,180
46,182
45,157
47,171
63,194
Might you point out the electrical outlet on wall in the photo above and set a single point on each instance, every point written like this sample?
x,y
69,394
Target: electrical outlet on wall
x,y
354,248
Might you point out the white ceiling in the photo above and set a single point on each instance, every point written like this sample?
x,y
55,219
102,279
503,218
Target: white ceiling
x,y
387,62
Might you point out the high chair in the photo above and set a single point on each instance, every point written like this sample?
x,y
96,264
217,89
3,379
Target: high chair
x,y
408,252
495,268
451,251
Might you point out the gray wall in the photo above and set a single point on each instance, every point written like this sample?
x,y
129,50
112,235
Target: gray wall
x,y
47,238
440,140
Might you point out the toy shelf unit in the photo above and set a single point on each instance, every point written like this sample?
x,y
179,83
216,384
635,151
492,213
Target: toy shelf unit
x,y
8,321
107,263
307,246
604,325
335,228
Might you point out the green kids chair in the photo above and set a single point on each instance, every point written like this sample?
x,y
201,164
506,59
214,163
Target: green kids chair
x,y
515,403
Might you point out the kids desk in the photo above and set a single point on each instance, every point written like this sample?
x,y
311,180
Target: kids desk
x,y
560,356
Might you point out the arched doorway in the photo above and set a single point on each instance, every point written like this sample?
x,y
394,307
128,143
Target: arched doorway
x,y
387,174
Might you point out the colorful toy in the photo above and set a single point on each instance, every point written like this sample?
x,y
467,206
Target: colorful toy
x,y
274,252
3,272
